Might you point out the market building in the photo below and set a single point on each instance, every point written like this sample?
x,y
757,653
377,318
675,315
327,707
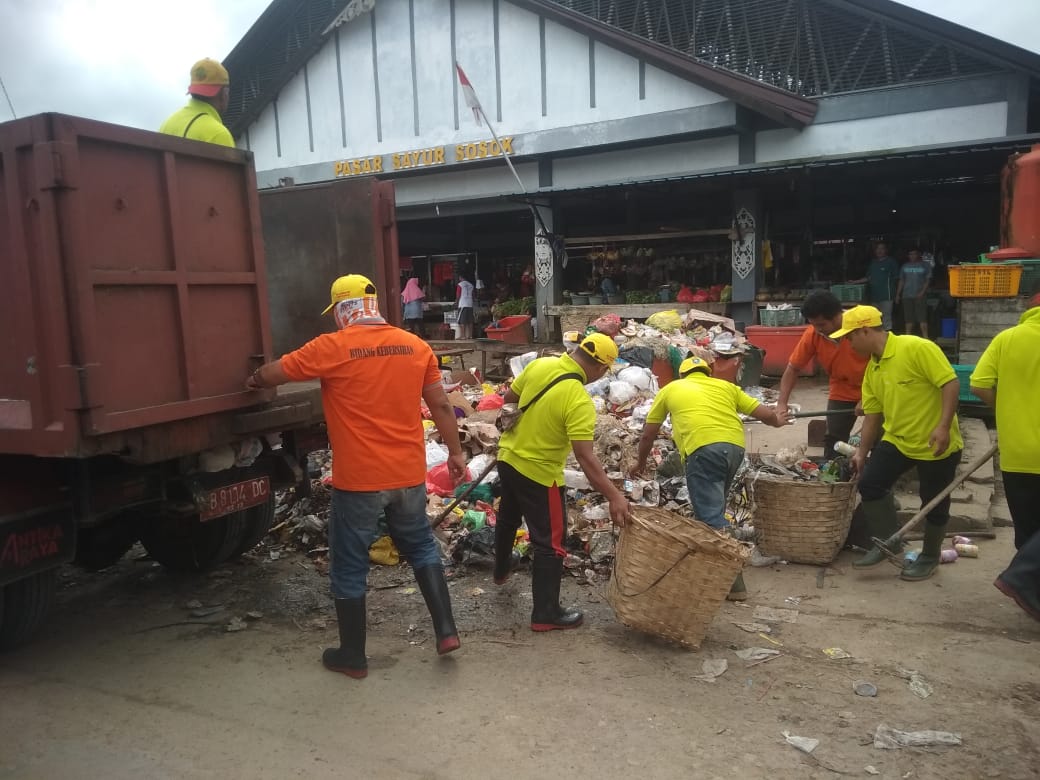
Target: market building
x,y
759,145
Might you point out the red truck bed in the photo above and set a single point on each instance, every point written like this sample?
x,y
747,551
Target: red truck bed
x,y
135,291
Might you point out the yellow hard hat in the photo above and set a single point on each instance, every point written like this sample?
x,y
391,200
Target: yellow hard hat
x,y
600,348
350,286
692,364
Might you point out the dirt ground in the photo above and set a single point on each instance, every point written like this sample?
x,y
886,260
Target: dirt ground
x,y
126,682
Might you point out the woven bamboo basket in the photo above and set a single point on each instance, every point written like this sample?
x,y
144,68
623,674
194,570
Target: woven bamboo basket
x,y
802,522
671,575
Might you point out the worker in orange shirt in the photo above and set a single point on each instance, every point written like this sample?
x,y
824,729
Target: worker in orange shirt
x,y
844,367
372,377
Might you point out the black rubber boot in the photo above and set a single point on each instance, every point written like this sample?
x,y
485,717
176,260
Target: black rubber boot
x,y
435,591
505,559
548,615
928,561
1021,580
881,522
349,658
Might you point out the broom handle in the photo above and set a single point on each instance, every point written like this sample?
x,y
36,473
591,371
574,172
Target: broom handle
x,y
974,466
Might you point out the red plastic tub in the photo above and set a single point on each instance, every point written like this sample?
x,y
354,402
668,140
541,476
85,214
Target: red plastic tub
x,y
512,330
778,344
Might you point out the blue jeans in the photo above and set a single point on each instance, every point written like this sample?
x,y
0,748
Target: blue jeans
x,y
352,529
709,473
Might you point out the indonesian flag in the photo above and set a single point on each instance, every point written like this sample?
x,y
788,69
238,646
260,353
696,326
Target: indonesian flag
x,y
469,93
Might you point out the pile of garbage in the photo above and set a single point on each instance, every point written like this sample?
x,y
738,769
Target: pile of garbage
x,y
464,516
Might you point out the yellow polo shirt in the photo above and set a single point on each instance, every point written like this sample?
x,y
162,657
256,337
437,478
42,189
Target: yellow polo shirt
x,y
200,121
704,411
1011,364
538,445
905,385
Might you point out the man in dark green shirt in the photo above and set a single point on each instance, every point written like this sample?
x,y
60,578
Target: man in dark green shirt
x,y
881,279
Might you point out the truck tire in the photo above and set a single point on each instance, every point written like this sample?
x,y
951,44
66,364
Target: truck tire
x,y
258,522
191,545
103,546
24,605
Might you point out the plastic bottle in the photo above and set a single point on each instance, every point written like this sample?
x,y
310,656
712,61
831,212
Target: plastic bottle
x,y
844,448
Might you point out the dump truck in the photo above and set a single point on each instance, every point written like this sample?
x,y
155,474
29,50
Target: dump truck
x,y
135,301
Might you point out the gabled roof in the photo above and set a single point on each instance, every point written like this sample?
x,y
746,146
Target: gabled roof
x,y
770,56
813,47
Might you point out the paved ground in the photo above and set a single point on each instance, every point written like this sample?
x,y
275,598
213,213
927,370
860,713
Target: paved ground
x,y
126,683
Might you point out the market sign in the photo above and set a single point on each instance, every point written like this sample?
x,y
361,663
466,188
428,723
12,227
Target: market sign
x,y
423,158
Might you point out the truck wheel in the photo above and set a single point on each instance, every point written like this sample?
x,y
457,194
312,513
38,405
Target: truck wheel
x,y
258,522
191,545
23,606
103,546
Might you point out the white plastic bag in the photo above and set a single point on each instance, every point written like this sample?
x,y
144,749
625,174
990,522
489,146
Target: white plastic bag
x,y
477,465
636,376
621,392
436,454
575,478
600,387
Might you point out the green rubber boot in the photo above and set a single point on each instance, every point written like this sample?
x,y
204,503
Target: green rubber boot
x,y
928,561
881,523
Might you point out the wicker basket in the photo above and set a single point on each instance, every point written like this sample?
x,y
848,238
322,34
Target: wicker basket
x,y
671,575
802,522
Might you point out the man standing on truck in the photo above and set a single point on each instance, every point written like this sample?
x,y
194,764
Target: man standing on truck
x,y
1006,377
844,367
372,378
210,90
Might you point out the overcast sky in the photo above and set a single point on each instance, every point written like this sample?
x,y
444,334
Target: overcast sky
x,y
126,61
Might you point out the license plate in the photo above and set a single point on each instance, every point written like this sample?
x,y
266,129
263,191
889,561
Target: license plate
x,y
233,498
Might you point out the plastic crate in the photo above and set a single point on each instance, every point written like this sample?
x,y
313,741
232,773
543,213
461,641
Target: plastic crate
x,y
848,293
779,318
451,317
991,280
963,376
512,330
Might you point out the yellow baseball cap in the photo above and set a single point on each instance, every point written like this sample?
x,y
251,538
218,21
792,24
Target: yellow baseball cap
x,y
858,317
600,348
351,286
692,364
208,77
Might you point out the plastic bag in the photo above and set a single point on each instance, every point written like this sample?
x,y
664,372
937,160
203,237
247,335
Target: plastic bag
x,y
621,392
599,387
383,552
490,402
477,465
665,321
436,454
438,481
519,363
575,478
610,324
685,295
638,377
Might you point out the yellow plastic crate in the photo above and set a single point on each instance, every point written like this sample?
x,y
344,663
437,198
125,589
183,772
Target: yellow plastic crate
x,y
985,280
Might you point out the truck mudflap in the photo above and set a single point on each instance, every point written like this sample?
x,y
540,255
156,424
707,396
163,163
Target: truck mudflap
x,y
35,542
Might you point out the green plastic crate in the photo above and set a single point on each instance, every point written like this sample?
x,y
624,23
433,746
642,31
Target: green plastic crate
x,y
848,293
780,318
1030,283
963,376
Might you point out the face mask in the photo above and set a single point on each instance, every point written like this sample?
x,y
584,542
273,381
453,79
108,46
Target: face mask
x,y
352,310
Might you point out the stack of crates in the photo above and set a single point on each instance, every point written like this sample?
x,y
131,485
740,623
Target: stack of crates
x,y
848,293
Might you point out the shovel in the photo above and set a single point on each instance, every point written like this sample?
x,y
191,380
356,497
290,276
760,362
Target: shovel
x,y
887,546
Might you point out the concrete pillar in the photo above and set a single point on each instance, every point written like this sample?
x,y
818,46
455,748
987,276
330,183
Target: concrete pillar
x,y
746,255
548,268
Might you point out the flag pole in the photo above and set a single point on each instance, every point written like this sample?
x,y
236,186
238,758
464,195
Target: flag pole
x,y
509,163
